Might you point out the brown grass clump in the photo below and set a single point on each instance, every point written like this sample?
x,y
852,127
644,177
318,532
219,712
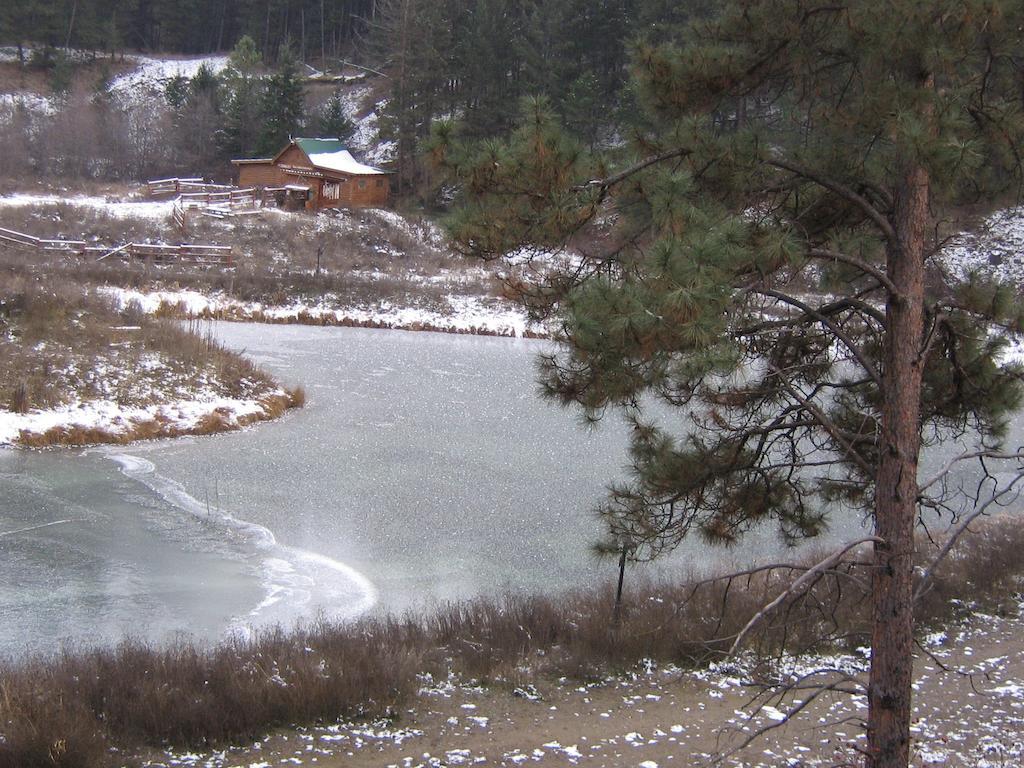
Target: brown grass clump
x,y
38,735
70,436
216,421
19,401
137,695
60,344
296,396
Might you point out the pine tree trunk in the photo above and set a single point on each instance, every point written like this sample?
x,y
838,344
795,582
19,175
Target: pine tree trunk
x,y
889,690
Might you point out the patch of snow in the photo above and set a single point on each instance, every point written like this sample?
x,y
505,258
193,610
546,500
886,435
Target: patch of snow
x,y
571,752
366,135
109,416
143,209
528,692
153,74
465,313
343,162
31,102
1010,689
995,248
935,638
191,302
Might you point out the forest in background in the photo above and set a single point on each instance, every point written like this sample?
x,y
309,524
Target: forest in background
x,y
317,28
467,59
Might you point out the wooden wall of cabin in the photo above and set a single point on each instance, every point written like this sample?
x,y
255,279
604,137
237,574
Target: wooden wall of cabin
x,y
295,157
261,175
354,192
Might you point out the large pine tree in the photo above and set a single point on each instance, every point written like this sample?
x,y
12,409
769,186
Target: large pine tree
x,y
784,145
283,110
244,100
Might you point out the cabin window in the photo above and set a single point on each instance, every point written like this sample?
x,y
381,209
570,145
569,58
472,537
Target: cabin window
x,y
362,184
380,183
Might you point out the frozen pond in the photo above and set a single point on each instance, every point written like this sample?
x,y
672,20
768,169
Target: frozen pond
x,y
423,468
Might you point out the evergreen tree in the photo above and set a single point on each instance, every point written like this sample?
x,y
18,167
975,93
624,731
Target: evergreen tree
x,y
785,142
176,91
34,21
585,111
244,100
204,84
492,65
332,122
61,74
196,112
283,110
413,41
182,25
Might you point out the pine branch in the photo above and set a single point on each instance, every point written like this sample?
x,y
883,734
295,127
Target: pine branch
x,y
816,691
827,425
617,178
844,192
853,261
838,332
967,456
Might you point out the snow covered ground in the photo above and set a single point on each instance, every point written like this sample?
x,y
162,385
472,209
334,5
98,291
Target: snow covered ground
x,y
131,208
111,418
970,713
31,102
365,138
149,77
995,248
465,314
152,75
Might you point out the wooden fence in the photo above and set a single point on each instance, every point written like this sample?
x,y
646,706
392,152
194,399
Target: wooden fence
x,y
217,203
161,187
20,238
158,253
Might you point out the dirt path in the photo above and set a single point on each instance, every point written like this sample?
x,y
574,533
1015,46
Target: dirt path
x,y
668,717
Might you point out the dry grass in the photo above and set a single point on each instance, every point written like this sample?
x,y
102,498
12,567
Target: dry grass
x,y
60,344
296,396
138,695
365,256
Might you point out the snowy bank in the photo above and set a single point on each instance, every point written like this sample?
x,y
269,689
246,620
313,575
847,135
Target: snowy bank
x,y
105,421
463,314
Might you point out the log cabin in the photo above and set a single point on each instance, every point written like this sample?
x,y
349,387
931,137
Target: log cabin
x,y
325,167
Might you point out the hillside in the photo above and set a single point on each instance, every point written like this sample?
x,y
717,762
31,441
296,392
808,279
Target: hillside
x,y
376,268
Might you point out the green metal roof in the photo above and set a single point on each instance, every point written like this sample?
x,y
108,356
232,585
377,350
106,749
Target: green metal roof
x,y
320,146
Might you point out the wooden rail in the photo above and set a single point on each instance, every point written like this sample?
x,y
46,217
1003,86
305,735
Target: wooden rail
x,y
18,238
158,253
176,186
233,197
219,203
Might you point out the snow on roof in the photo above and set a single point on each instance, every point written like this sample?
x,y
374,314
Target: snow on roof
x,y
342,162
